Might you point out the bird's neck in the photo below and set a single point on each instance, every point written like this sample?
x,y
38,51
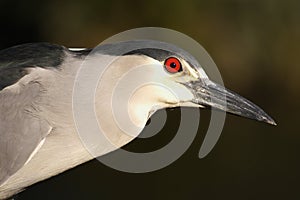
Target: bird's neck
x,y
126,105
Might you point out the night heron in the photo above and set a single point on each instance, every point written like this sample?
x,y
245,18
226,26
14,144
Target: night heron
x,y
38,136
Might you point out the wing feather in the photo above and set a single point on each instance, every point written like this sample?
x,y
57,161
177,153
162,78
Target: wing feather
x,y
21,131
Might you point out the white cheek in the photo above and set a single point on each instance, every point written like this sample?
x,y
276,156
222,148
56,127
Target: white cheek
x,y
179,92
149,98
172,91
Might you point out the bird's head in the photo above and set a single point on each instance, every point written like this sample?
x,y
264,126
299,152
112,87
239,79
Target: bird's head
x,y
149,78
171,77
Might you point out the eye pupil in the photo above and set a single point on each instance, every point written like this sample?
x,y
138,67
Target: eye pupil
x,y
173,65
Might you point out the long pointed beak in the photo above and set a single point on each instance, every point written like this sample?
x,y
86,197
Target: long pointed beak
x,y
214,95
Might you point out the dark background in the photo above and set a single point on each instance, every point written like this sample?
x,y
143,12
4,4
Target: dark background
x,y
255,44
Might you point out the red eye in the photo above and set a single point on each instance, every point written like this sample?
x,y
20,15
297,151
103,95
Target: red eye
x,y
173,65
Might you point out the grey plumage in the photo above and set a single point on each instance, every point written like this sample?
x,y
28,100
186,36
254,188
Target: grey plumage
x,y
19,139
15,60
21,131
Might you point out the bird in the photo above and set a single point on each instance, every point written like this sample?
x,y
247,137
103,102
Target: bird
x,y
38,136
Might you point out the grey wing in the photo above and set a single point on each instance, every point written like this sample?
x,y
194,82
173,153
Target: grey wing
x,y
22,131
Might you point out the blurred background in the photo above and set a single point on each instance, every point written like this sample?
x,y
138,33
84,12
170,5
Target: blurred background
x,y
255,44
